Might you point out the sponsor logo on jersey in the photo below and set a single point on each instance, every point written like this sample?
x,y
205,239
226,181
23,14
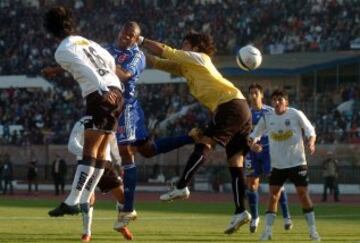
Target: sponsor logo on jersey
x,y
82,42
122,58
281,135
121,129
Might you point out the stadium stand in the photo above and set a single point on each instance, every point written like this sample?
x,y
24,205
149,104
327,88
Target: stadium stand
x,y
35,116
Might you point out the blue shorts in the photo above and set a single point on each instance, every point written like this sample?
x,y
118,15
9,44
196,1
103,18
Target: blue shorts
x,y
131,125
257,164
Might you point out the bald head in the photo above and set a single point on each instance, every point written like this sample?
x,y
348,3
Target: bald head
x,y
131,25
128,35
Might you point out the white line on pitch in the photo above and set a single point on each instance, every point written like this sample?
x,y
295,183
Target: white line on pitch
x,y
159,217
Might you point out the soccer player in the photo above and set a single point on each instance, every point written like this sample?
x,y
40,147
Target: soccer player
x,y
257,164
94,69
110,180
285,129
132,134
231,122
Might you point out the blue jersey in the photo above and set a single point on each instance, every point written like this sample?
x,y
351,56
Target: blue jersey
x,y
131,124
257,164
256,115
131,60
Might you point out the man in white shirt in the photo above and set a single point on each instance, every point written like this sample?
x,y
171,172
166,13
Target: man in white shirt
x,y
95,71
285,129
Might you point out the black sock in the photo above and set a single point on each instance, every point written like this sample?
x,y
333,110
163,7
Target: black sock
x,y
196,159
238,187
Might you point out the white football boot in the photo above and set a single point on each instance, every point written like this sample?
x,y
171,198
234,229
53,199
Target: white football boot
x,y
124,219
175,194
238,220
254,224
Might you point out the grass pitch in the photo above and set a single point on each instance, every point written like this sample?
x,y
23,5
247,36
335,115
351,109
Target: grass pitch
x,y
27,221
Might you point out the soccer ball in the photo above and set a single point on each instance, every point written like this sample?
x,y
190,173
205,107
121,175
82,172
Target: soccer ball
x,y
248,58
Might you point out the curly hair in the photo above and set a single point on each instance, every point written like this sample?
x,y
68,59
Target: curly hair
x,y
204,42
59,22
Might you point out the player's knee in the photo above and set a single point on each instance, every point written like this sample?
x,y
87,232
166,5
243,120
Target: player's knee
x,y
147,150
274,197
252,187
147,154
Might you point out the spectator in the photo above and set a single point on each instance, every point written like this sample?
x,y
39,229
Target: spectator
x,y
330,175
1,172
275,26
8,175
58,172
32,175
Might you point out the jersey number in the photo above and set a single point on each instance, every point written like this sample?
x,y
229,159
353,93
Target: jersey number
x,y
96,60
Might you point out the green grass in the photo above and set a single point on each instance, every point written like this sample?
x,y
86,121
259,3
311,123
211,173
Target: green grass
x,y
27,221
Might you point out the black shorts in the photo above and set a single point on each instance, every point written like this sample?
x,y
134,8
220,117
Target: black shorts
x,y
231,126
297,175
104,112
109,180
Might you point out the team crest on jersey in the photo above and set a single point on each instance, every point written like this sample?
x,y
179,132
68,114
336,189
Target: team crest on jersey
x,y
287,122
121,129
122,57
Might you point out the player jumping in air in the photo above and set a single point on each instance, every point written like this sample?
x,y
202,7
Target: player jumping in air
x,y
94,69
231,122
132,134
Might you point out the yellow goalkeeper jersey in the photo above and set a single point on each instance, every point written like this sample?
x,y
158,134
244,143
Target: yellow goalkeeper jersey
x,y
205,82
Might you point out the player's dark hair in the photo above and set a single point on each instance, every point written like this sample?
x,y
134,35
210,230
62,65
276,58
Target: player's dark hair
x,y
204,42
280,93
59,22
256,86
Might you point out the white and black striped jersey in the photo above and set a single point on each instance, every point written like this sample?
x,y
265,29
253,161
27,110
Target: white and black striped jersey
x,y
285,134
91,65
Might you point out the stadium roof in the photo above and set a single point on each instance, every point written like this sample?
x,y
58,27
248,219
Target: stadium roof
x,y
290,63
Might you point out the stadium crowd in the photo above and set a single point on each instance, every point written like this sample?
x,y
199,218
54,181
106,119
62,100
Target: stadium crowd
x,y
274,26
47,116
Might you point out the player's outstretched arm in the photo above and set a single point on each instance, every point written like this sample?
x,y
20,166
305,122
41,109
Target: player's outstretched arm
x,y
154,47
150,60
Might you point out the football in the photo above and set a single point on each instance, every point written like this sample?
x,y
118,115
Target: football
x,y
248,58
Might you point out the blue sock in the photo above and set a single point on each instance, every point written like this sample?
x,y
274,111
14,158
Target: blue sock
x,y
164,145
253,199
284,204
129,187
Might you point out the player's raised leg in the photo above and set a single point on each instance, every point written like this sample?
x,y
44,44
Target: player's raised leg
x,y
195,160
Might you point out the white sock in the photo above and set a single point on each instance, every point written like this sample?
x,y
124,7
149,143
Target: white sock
x,y
91,185
82,175
119,206
310,219
269,219
87,220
